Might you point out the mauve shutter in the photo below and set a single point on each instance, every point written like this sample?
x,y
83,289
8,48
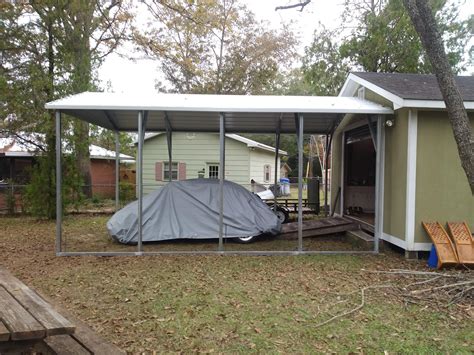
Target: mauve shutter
x,y
159,171
181,171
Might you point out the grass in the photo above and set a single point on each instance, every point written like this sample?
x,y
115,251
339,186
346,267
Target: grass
x,y
230,304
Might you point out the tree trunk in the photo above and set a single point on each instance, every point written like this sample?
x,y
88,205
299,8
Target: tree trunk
x,y
425,24
81,81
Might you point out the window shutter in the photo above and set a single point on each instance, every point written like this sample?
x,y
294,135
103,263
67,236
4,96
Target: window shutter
x,y
181,171
158,171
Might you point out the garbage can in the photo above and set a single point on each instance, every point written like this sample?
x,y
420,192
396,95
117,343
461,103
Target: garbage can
x,y
285,186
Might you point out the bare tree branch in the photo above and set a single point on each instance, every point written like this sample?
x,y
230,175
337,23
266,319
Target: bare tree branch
x,y
301,5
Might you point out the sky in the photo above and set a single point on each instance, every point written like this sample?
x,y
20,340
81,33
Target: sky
x,y
127,76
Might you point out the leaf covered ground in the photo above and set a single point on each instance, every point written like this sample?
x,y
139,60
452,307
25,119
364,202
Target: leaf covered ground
x,y
235,303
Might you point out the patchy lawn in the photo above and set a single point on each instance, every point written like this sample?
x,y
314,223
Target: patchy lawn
x,y
237,304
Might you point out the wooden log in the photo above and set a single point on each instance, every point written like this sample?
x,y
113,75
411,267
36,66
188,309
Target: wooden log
x,y
21,324
52,321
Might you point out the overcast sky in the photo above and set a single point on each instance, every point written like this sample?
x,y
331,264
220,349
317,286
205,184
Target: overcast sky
x,y
140,76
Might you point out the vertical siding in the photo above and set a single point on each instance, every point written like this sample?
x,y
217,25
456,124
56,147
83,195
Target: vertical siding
x,y
395,183
196,150
258,159
442,190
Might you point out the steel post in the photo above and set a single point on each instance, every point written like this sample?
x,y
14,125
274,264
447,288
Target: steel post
x,y
300,182
140,180
221,179
59,198
117,171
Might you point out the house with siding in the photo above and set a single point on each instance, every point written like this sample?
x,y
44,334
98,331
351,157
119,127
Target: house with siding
x,y
422,177
196,155
17,157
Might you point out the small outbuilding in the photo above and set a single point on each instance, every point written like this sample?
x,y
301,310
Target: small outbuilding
x,y
422,175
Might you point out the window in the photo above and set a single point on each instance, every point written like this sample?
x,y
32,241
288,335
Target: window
x,y
213,171
166,171
267,171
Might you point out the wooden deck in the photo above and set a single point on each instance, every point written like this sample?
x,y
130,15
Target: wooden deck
x,y
324,226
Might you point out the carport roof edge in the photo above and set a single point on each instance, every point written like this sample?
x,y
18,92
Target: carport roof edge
x,y
112,110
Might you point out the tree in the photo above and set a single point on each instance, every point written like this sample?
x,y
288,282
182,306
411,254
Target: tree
x,y
213,46
426,26
324,68
384,39
45,55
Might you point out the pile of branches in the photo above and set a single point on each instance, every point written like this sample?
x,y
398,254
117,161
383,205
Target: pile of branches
x,y
439,290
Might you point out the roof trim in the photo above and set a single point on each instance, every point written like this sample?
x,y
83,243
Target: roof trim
x,y
353,81
249,142
348,90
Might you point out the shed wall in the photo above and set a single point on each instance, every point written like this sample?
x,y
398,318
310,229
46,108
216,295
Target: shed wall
x,y
442,190
395,183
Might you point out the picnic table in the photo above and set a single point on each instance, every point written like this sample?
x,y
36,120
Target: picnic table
x,y
25,317
28,321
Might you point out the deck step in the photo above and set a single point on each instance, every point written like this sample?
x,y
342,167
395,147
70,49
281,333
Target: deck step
x,y
360,235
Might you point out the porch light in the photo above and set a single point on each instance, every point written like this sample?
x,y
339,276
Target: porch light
x,y
389,122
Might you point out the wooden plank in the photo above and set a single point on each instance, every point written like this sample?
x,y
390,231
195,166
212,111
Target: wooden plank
x,y
320,223
87,337
463,242
443,244
4,332
65,345
52,321
319,231
93,342
21,324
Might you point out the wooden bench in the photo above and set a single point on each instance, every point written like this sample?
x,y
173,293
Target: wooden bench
x,y
28,323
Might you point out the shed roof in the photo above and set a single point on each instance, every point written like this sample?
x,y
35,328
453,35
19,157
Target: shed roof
x,y
200,113
417,86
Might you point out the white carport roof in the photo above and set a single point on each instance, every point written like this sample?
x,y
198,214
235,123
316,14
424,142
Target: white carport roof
x,y
200,113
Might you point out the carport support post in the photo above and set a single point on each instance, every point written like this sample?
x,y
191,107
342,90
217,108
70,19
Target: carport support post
x,y
117,171
59,198
221,179
141,126
300,182
379,182
277,155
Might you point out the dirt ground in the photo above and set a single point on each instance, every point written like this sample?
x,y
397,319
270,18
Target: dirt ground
x,y
242,304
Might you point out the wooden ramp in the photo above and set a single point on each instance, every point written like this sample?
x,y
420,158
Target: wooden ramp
x,y
318,227
443,244
463,241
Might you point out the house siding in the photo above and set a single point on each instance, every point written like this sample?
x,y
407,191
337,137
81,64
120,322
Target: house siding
x,y
442,189
258,159
196,150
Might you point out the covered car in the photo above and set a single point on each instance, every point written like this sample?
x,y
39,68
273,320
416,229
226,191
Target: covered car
x,y
190,209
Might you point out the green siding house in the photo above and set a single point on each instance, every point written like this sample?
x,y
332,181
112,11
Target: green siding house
x,y
196,155
422,175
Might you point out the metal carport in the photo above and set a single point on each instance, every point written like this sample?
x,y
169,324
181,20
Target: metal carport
x,y
213,113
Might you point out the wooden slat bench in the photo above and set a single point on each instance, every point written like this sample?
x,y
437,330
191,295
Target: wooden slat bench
x,y
29,323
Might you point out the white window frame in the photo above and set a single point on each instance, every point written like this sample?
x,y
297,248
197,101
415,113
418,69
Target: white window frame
x,y
166,170
265,172
208,170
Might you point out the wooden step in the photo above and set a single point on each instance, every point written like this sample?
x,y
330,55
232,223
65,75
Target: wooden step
x,y
360,235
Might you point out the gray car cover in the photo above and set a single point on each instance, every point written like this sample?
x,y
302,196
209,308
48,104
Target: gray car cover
x,y
190,209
